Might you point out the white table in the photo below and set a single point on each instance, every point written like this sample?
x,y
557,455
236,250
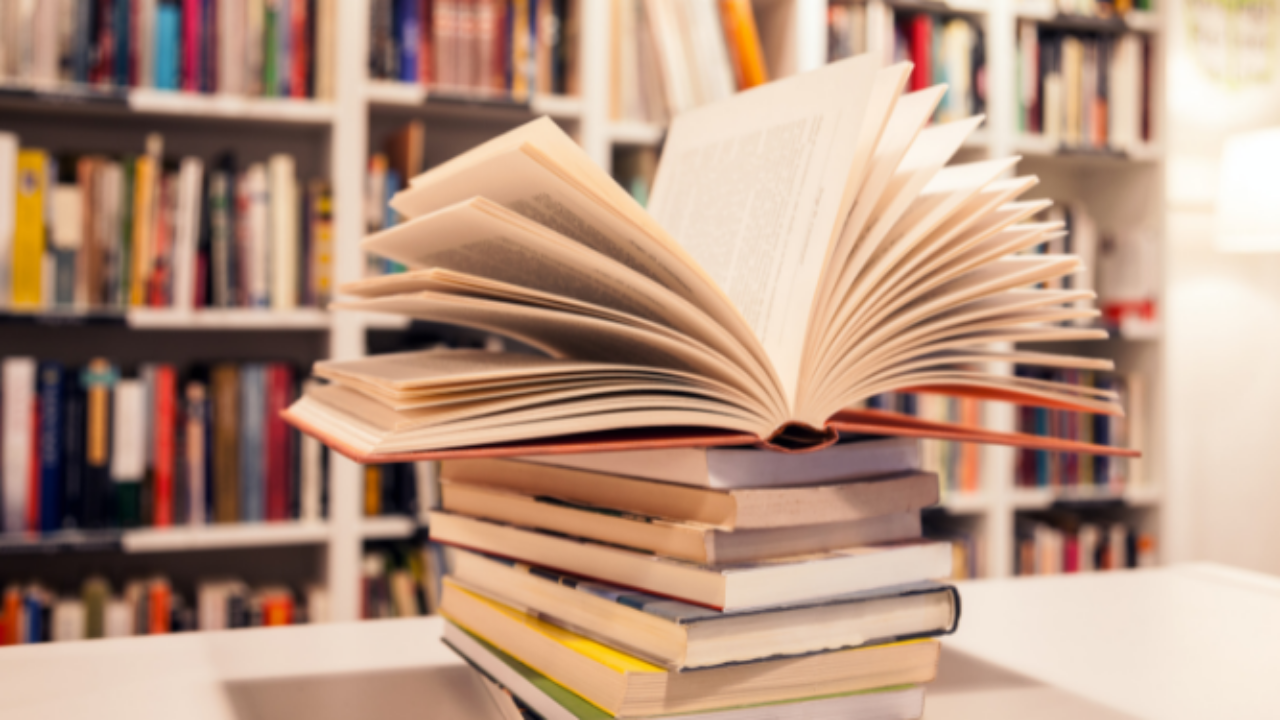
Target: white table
x,y
1191,641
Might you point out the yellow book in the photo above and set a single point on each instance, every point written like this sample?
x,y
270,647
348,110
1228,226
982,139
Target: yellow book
x,y
627,686
743,39
29,229
142,229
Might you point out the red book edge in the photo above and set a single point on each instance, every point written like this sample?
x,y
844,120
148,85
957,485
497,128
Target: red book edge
x,y
166,390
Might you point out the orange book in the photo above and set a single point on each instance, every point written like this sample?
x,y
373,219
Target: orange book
x,y
158,597
12,615
971,416
743,39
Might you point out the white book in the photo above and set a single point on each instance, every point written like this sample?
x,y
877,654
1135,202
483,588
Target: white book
x,y
257,233
117,619
186,231
323,53
19,397
68,620
128,436
8,196
43,36
284,232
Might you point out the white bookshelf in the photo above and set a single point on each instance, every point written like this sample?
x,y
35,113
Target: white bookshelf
x,y
795,34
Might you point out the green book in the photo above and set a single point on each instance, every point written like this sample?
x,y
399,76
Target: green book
x,y
124,252
270,84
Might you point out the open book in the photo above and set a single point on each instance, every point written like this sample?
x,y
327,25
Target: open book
x,y
806,247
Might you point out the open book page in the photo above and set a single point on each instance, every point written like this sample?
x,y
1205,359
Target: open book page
x,y
539,172
484,239
753,187
938,204
568,335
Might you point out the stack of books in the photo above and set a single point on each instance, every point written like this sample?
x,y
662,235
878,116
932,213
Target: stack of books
x,y
805,247
664,582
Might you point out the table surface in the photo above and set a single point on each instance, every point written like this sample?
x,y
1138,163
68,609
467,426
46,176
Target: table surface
x,y
1189,641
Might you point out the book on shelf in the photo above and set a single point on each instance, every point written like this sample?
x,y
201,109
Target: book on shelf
x,y
1085,90
141,232
36,613
680,636
1065,470
942,48
392,489
540,694
486,48
668,56
958,465
400,159
815,500
277,48
670,326
1062,541
1101,8
86,448
398,581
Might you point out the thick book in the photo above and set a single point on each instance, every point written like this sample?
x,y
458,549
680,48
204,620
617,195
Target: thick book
x,y
627,686
735,468
680,636
552,701
712,317
681,540
746,586
732,509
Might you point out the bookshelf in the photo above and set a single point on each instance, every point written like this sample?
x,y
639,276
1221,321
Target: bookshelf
x,y
333,138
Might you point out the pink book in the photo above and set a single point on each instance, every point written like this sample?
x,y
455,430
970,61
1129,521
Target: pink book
x,y
191,45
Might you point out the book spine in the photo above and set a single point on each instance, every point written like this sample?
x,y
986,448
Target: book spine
x,y
284,232
284,47
19,399
408,29
165,415
301,50
73,454
97,380
129,449
251,427
196,452
226,445
29,229
51,391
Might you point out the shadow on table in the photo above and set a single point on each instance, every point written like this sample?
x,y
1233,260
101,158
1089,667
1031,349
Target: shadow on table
x,y
421,694
970,688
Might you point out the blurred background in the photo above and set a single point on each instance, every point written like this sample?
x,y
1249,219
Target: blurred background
x,y
183,183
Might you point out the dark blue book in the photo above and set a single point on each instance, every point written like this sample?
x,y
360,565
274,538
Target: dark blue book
x,y
51,389
410,30
122,23
253,410
82,40
35,618
73,454
97,503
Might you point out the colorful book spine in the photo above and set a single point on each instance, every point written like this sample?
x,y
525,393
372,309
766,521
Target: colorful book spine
x,y
27,266
51,393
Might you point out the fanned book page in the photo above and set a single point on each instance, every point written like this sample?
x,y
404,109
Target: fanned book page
x,y
807,247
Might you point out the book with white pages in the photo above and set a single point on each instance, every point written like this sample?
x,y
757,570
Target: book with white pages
x,y
806,246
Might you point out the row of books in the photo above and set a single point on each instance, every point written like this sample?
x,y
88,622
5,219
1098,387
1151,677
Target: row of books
x,y
943,50
958,465
1085,90
390,170
267,48
94,232
399,580
1037,468
395,489
495,48
673,55
1102,8
33,613
1066,542
705,569
92,448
